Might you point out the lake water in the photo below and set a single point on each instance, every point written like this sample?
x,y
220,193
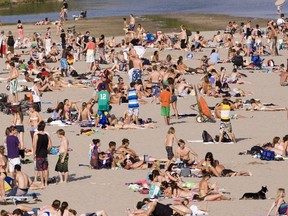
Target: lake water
x,y
101,8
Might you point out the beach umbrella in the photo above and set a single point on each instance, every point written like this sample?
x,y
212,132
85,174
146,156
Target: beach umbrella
x,y
8,183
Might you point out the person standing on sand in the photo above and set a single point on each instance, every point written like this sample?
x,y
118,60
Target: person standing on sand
x,y
137,68
225,124
62,163
13,78
133,104
13,146
155,78
169,141
20,29
90,54
41,147
165,98
132,22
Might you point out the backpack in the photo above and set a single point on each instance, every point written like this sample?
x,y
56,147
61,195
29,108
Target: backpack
x,y
74,73
256,150
10,41
207,137
267,155
225,138
188,32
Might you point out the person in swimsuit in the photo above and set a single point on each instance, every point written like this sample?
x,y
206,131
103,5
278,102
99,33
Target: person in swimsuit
x,y
34,118
22,181
18,118
62,163
20,29
280,204
69,106
208,193
3,173
208,165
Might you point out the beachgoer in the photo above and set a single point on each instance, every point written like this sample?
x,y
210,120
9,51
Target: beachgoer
x,y
20,29
183,153
225,124
22,183
36,94
155,78
13,145
165,99
133,104
132,22
208,165
3,168
208,193
169,141
34,119
13,79
62,163
89,49
103,99
279,203
284,78
41,146
18,118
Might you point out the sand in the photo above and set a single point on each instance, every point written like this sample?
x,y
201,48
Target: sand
x,y
91,190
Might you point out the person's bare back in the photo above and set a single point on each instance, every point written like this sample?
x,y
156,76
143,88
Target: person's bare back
x,y
23,181
284,78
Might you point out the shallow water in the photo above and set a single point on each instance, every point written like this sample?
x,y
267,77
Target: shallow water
x,y
101,8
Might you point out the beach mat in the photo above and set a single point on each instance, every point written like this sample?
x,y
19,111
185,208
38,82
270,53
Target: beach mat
x,y
200,141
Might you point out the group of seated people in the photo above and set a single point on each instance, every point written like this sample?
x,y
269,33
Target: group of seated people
x,y
278,145
217,84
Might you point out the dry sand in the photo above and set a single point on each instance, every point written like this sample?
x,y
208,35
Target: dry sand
x,y
91,190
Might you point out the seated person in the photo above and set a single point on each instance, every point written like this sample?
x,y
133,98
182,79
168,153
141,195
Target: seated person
x,y
22,183
186,154
208,165
209,193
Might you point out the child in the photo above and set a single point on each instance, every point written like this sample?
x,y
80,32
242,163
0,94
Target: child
x,y
169,140
94,150
165,99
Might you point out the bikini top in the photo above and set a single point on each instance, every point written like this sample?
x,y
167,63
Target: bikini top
x,y
33,118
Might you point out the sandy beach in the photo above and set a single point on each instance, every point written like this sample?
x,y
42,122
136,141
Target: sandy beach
x,y
90,190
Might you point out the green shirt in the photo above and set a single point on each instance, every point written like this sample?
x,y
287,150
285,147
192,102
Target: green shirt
x,y
103,100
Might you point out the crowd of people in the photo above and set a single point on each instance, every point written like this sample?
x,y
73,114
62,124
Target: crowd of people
x,y
108,63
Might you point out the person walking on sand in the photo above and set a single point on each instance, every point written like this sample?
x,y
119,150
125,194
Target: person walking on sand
x,y
169,141
225,124
165,98
62,163
41,147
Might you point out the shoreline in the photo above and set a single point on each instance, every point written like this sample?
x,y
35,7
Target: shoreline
x,y
112,26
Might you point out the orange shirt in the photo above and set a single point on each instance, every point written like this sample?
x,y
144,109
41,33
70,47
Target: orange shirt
x,y
165,97
91,45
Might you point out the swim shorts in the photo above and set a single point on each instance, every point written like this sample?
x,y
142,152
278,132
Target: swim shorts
x,y
165,111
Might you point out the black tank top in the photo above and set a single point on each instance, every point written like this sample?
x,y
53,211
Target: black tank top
x,y
42,145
